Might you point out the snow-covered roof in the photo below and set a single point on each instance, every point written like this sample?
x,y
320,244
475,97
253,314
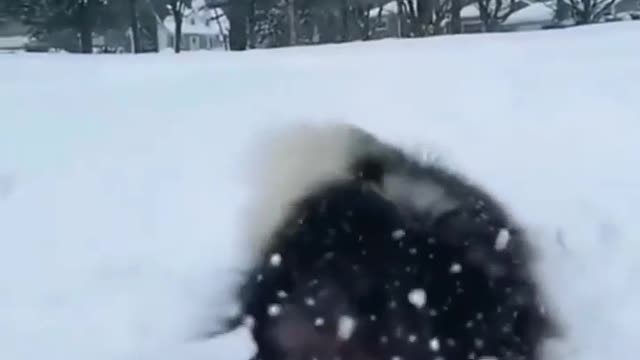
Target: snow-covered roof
x,y
534,13
470,11
387,9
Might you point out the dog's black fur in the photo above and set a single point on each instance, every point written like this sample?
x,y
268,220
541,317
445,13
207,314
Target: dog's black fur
x,y
335,280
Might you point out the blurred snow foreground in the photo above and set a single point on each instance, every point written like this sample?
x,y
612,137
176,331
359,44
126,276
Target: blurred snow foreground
x,y
123,217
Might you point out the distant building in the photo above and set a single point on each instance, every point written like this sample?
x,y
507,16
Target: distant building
x,y
206,29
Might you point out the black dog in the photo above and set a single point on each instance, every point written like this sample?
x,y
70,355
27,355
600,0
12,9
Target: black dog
x,y
378,256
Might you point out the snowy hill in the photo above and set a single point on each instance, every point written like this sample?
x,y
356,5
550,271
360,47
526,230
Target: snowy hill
x,y
122,179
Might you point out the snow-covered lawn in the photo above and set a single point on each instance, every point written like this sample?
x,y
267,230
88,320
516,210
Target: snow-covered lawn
x,y
123,179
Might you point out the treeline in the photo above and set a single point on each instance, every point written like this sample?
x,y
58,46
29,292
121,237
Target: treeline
x,y
255,23
72,24
268,23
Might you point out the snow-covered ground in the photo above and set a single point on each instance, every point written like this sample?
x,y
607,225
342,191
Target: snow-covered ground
x,y
123,179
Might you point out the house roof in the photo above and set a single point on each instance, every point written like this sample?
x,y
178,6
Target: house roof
x,y
534,13
387,9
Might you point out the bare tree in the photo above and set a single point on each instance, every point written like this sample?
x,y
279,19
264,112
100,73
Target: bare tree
x,y
292,18
589,11
238,18
135,27
178,9
217,15
424,16
433,16
85,14
363,17
456,21
494,12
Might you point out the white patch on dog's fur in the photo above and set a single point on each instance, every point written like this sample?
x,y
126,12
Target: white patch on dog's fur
x,y
294,161
291,163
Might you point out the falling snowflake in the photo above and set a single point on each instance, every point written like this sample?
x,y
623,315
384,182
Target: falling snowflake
x,y
455,268
469,324
434,344
319,321
346,325
310,301
502,239
413,251
274,310
417,297
413,338
282,294
275,260
398,234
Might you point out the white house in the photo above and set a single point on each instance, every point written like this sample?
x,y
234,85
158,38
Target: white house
x,y
205,29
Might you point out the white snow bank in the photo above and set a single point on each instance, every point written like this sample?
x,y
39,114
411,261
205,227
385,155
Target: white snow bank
x,y
121,229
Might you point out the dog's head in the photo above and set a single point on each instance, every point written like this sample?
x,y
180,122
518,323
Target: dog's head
x,y
419,219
